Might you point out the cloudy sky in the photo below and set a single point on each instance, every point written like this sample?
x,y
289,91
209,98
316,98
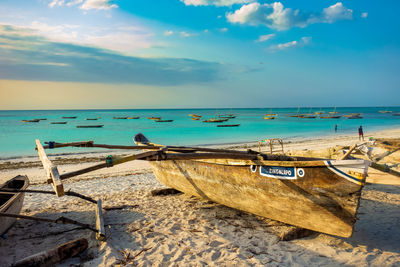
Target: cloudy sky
x,y
198,53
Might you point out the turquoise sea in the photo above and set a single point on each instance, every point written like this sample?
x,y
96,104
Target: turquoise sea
x,y
17,138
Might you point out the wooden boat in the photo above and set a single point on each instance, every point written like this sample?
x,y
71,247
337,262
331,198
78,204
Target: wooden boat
x,y
133,118
307,116
269,117
385,111
91,119
43,119
195,116
317,194
154,118
330,117
352,115
216,120
334,111
120,118
195,119
58,122
227,116
294,115
163,120
89,126
228,125
35,120
69,117
11,202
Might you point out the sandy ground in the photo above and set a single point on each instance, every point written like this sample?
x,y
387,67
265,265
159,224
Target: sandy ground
x,y
181,230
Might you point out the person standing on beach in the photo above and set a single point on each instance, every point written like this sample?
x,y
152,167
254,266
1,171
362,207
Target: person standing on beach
x,y
335,128
360,133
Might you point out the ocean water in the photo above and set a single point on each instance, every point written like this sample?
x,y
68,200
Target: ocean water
x,y
17,138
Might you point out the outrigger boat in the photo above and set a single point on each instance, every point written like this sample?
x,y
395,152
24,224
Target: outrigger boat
x,y
34,120
11,202
317,194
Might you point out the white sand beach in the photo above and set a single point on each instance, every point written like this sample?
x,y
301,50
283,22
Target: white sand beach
x,y
182,230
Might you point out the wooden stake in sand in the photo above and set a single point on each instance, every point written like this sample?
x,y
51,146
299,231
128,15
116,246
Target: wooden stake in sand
x,y
54,255
101,233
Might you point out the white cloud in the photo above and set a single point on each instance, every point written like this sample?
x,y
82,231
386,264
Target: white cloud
x,y
264,38
168,33
276,16
186,34
303,42
215,2
86,4
364,15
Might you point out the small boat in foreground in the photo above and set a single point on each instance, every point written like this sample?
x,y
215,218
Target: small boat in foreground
x,y
58,122
69,117
317,194
11,202
89,126
228,125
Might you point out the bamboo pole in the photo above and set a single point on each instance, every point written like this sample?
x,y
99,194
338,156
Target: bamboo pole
x,y
60,220
348,152
68,193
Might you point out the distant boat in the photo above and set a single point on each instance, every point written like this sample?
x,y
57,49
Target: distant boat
x,y
89,126
227,116
307,116
319,112
154,118
69,117
120,118
195,118
269,117
216,120
330,117
163,120
35,120
195,115
133,118
228,125
294,115
385,111
355,117
270,114
44,119
333,112
91,119
58,122
396,114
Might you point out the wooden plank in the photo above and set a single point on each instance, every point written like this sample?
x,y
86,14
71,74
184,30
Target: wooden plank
x,y
348,152
51,170
55,255
101,233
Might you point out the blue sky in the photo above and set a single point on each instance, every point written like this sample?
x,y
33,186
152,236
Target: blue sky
x,y
198,53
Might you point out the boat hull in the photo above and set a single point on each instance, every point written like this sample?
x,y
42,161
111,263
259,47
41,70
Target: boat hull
x,y
12,202
322,198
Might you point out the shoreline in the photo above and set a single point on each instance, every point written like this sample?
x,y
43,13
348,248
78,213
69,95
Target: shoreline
x,y
289,140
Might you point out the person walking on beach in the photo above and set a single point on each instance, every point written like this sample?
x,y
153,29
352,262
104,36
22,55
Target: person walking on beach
x,y
360,133
335,128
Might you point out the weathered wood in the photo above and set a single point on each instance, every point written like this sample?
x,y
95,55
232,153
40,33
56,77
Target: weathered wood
x,y
318,199
51,170
165,191
54,255
101,233
384,168
348,152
